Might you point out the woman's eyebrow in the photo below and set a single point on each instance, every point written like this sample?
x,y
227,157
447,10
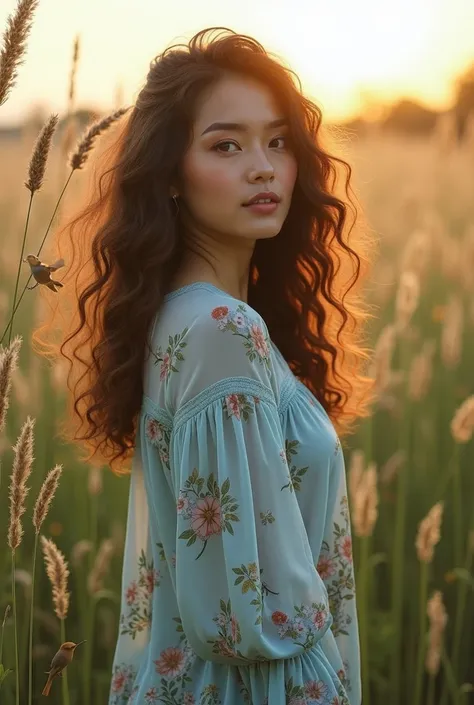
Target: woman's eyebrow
x,y
241,127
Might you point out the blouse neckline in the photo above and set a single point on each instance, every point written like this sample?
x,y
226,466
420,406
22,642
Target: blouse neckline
x,y
193,287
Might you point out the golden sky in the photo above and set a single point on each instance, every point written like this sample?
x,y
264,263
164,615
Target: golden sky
x,y
341,49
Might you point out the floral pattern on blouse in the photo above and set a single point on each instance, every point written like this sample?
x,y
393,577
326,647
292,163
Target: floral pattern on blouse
x,y
335,566
171,355
295,473
138,598
159,435
122,683
210,513
240,406
239,323
250,578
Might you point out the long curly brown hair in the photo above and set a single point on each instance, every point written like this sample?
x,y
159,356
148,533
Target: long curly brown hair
x,y
125,246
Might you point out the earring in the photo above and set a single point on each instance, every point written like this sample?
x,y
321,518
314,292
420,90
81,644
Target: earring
x,y
175,199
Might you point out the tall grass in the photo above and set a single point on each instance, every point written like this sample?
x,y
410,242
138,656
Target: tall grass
x,y
409,465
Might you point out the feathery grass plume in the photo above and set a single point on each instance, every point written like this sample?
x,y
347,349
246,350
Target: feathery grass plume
x,y
356,471
14,38
417,252
72,78
22,463
40,511
421,371
38,160
390,469
45,496
83,149
438,620
57,571
101,566
407,298
382,359
462,424
94,484
8,364
451,334
79,550
365,510
429,533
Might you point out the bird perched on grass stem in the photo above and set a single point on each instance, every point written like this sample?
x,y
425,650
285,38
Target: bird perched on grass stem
x,y
61,659
42,272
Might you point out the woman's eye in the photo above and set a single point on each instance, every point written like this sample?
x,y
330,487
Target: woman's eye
x,y
275,139
217,147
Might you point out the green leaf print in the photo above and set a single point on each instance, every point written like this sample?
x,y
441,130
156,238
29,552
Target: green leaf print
x,y
295,474
171,354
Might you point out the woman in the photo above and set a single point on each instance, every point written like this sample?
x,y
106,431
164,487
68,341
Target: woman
x,y
220,357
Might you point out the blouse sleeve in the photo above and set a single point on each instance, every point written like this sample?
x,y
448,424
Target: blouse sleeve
x,y
246,583
335,565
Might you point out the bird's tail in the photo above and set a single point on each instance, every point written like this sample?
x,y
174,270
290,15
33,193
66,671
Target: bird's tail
x,y
52,285
59,263
47,687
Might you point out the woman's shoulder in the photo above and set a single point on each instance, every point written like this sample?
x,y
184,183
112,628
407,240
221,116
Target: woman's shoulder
x,y
203,310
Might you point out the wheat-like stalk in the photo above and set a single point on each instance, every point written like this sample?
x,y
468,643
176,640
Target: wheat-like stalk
x,y
101,566
429,533
366,501
421,371
14,38
438,620
45,496
94,483
57,571
407,298
451,335
83,149
382,359
390,469
8,364
22,463
462,424
417,252
79,550
37,166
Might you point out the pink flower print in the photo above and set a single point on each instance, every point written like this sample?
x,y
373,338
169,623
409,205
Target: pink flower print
x,y
119,681
219,313
224,648
151,579
296,700
279,617
131,593
319,619
165,366
182,504
256,400
234,628
171,662
341,674
188,699
316,691
153,430
207,517
326,567
258,340
335,701
151,695
233,406
345,548
283,457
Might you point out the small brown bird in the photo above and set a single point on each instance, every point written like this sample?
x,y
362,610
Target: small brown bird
x,y
42,272
61,659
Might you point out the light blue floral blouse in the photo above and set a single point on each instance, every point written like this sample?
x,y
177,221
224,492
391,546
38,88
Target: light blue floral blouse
x,y
238,581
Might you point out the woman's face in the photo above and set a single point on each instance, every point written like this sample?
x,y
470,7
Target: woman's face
x,y
225,166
